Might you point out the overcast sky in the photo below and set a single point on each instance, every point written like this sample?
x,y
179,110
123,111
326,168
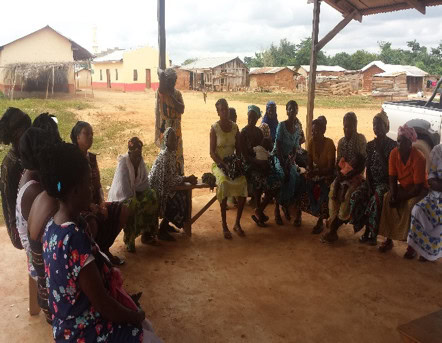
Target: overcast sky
x,y
201,28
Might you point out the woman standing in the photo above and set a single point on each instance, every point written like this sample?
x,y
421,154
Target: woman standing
x,y
351,145
163,177
288,135
224,142
366,202
408,185
105,219
13,124
130,186
169,110
320,174
425,235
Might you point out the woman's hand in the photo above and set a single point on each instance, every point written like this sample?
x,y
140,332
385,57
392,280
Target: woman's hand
x,y
192,179
141,316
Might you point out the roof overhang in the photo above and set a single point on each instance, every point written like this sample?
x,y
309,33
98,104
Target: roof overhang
x,y
370,7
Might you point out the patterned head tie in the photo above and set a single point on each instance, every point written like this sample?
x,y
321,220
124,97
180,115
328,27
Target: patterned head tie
x,y
407,132
383,116
134,144
255,109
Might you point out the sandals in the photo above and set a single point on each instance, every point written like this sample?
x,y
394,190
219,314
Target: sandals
x,y
115,260
422,259
410,253
387,245
318,228
239,231
258,222
329,238
227,234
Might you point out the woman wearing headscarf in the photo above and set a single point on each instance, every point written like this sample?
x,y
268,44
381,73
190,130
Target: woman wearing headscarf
x,y
408,185
224,142
250,138
163,177
425,235
105,219
13,124
351,145
168,112
366,202
271,118
130,186
319,176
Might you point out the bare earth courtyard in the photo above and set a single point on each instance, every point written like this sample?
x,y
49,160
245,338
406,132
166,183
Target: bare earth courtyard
x,y
278,284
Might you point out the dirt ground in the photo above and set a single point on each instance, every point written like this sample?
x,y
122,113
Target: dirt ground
x,y
278,284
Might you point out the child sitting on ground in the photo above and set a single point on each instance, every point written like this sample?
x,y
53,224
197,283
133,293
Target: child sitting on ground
x,y
341,187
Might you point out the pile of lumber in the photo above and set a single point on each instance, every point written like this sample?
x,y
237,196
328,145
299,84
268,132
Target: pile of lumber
x,y
390,86
333,86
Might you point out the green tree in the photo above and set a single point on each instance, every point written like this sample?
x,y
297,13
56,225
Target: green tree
x,y
189,60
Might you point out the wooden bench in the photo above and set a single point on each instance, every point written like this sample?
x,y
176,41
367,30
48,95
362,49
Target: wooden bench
x,y
189,188
427,329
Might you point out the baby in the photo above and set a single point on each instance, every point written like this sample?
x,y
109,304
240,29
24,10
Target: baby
x,y
341,188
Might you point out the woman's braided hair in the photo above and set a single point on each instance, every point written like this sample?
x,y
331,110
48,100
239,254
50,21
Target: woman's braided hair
x,y
62,167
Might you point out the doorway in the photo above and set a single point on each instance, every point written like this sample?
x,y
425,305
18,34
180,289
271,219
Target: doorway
x,y
148,80
108,78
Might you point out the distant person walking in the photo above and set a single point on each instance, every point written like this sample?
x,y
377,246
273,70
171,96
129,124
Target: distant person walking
x,y
169,108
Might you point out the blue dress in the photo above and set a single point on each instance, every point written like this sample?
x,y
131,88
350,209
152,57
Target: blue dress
x,y
288,142
66,248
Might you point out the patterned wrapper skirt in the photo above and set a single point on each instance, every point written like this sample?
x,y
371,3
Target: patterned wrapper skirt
x,y
425,234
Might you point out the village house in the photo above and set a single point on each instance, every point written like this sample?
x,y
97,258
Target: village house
x,y
411,81
184,79
272,78
40,62
127,70
321,70
218,74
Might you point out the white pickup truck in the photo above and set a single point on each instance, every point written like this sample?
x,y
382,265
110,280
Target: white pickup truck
x,y
424,116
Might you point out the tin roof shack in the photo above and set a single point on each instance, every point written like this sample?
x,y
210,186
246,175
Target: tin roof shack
x,y
40,62
414,77
218,73
272,78
390,85
321,70
184,79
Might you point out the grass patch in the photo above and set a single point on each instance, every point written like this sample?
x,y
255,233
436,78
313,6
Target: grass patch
x,y
354,101
33,107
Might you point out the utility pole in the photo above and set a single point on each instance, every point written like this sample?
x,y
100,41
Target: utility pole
x,y
161,7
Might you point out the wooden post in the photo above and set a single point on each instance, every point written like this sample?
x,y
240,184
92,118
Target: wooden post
x,y
47,86
162,33
13,84
313,64
53,80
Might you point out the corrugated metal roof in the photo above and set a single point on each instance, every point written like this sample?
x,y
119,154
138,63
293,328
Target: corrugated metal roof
x,y
396,69
378,6
267,70
320,68
208,62
112,57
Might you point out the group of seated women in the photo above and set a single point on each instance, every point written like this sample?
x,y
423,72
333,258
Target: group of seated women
x,y
381,185
55,210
